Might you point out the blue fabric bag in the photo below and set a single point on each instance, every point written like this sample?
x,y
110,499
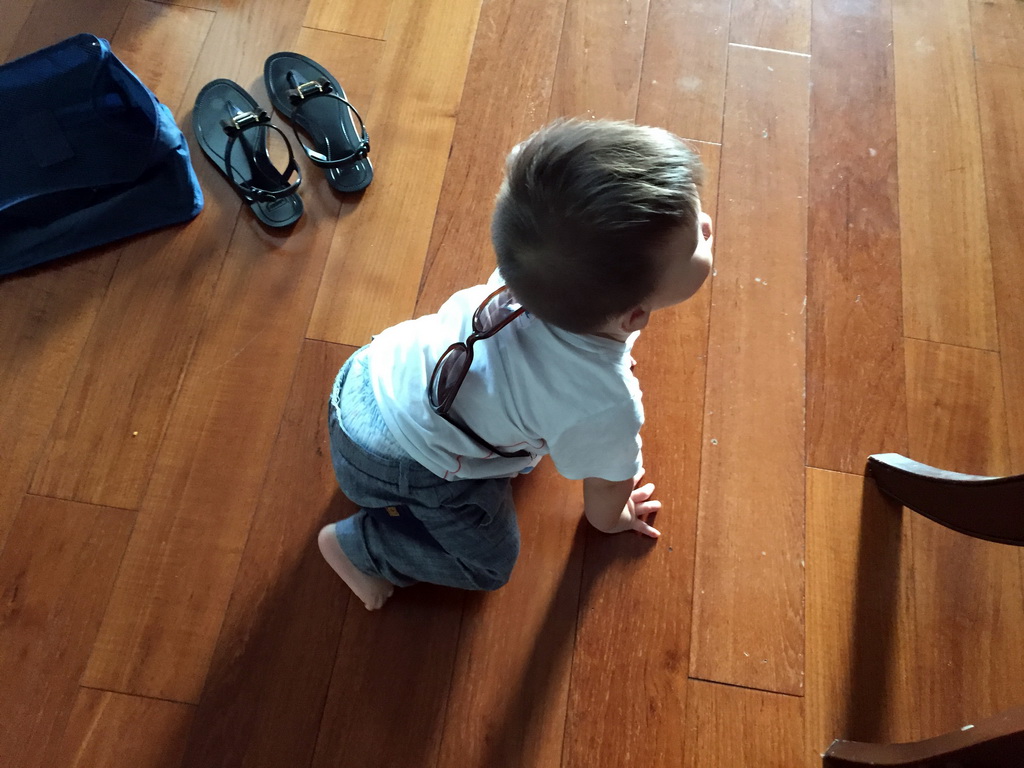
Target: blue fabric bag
x,y
87,155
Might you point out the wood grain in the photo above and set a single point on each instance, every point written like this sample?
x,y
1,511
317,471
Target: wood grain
x,y
628,693
728,726
997,28
288,607
947,269
782,25
111,730
243,34
1001,97
375,264
968,598
56,573
856,398
387,700
352,17
153,26
956,417
683,83
103,446
46,313
218,576
45,318
600,58
50,21
499,108
167,608
632,641
502,704
861,639
748,611
968,593
160,630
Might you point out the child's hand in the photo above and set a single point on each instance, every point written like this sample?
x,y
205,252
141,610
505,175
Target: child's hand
x,y
639,506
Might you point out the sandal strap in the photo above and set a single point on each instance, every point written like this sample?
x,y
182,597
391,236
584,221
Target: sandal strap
x,y
300,96
234,127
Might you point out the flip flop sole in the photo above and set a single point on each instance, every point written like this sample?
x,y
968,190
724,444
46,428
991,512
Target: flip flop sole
x,y
216,101
327,121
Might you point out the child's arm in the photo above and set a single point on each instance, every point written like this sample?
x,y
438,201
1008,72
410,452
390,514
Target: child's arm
x,y
614,507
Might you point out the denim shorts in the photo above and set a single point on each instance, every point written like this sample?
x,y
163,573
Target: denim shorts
x,y
412,525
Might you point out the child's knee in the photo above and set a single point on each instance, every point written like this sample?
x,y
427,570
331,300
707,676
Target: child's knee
x,y
496,574
493,579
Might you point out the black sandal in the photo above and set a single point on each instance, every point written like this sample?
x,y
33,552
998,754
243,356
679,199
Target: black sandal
x,y
222,119
312,98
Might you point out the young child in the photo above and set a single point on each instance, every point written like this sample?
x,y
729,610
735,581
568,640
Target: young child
x,y
597,225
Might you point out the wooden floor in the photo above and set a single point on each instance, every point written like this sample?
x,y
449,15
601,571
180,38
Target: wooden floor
x,y
163,465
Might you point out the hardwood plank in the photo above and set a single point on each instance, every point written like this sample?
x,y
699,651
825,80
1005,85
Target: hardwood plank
x,y
633,633
56,573
243,34
955,409
386,704
600,58
287,608
968,602
45,318
374,269
500,107
683,83
104,442
111,730
628,692
155,26
856,398
162,625
148,327
748,612
861,639
50,21
507,709
783,25
728,727
1001,95
997,28
351,17
45,314
968,592
947,269
104,445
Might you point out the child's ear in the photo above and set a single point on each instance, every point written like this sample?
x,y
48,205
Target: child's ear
x,y
635,320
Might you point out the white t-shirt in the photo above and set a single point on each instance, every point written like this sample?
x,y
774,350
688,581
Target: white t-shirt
x,y
531,386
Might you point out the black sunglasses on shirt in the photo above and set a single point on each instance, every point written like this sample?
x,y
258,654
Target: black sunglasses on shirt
x,y
494,313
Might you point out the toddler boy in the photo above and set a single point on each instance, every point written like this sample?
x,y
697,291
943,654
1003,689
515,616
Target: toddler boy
x,y
597,224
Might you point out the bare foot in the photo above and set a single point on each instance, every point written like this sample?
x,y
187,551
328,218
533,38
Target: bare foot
x,y
372,591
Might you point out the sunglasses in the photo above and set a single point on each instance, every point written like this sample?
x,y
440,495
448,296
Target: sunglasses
x,y
494,313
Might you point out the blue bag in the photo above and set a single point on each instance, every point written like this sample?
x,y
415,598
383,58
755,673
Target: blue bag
x,y
87,155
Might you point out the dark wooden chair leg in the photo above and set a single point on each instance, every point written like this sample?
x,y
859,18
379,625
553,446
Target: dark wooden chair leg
x,y
989,508
997,742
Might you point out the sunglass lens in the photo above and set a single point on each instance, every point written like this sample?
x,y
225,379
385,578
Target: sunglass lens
x,y
491,314
446,380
